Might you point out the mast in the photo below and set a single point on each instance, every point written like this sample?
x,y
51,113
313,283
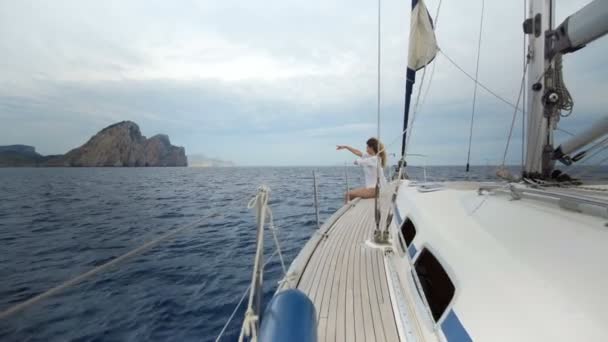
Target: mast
x,y
545,49
540,119
410,79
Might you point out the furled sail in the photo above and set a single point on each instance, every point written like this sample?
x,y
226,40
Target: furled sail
x,y
423,45
422,50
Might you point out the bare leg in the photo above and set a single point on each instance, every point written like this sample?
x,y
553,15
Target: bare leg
x,y
361,192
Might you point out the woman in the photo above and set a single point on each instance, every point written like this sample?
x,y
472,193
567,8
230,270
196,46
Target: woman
x,y
369,162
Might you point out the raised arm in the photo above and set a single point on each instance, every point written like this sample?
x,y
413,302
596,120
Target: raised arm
x,y
351,149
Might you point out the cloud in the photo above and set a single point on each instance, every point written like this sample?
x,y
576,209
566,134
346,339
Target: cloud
x,y
234,80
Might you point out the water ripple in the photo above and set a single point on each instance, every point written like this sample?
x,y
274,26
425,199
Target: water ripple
x,y
58,223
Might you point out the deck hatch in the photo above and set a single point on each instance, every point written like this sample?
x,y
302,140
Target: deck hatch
x,y
436,284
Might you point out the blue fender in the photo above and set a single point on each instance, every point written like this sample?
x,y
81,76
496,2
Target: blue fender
x,y
290,316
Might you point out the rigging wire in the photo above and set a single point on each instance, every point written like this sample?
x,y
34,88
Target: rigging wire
x,y
521,90
481,85
415,111
475,88
378,159
484,87
428,87
420,87
34,300
238,305
436,19
564,131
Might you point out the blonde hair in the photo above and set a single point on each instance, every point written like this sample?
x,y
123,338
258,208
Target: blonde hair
x,y
376,146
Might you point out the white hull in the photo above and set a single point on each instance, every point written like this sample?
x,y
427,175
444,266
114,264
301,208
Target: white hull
x,y
523,270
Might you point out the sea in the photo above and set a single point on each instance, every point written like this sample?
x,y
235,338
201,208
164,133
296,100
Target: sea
x,y
59,223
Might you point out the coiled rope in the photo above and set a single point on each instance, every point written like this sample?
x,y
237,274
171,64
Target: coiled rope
x,y
566,103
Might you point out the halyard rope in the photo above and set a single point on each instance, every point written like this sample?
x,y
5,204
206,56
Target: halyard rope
x,y
476,83
521,90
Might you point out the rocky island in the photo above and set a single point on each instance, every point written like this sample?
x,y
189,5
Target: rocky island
x,y
120,144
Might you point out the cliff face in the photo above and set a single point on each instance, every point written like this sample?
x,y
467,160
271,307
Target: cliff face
x,y
158,151
122,144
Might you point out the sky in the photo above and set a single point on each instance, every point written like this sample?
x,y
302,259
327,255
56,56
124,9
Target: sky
x,y
272,82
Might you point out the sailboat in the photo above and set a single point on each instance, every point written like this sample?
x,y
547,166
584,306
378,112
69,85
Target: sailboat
x,y
521,259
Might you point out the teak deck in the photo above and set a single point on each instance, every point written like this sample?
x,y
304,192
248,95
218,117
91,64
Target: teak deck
x,y
346,280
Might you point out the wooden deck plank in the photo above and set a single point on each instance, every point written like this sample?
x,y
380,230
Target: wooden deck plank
x,y
339,309
368,320
349,304
336,242
347,282
322,264
376,275
330,299
307,284
310,278
359,320
373,297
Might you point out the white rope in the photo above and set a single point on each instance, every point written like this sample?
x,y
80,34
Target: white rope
x,y
260,200
34,300
238,305
250,325
273,229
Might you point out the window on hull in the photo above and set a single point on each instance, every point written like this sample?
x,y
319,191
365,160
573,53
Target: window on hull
x,y
408,231
436,285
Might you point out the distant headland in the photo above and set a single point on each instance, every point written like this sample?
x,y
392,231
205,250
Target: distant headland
x,y
118,145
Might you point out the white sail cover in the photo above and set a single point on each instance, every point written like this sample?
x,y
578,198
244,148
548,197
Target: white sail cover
x,y
423,45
